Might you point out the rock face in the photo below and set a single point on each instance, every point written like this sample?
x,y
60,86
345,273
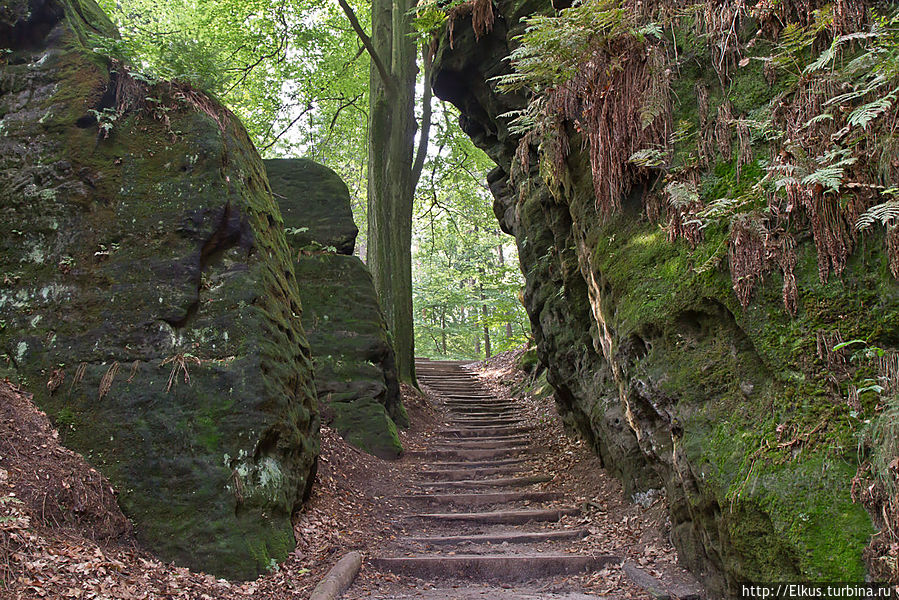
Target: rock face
x,y
355,370
657,363
148,296
314,198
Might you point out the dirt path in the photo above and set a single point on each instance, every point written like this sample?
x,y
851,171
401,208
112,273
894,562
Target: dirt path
x,y
490,508
491,501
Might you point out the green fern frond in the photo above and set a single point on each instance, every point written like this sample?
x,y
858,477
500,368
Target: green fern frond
x,y
885,213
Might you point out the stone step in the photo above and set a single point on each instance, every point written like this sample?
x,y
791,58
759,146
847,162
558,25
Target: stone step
x,y
500,517
487,483
469,432
472,389
478,444
479,401
445,465
508,415
473,454
485,408
484,422
481,499
464,387
476,397
490,567
534,537
466,474
473,424
480,406
453,437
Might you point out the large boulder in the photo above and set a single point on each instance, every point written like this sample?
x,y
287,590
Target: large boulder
x,y
148,297
355,369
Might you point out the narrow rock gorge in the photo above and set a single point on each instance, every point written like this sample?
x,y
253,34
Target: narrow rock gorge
x,y
726,390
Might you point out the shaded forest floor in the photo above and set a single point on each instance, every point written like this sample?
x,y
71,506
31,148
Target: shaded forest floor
x,y
63,536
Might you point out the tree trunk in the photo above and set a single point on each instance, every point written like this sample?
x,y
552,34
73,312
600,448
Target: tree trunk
x,y
390,184
485,314
443,328
502,263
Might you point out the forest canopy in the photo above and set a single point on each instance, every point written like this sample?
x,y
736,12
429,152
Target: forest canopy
x,y
297,75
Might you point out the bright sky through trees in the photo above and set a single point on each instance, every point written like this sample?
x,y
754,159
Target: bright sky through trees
x,y
296,74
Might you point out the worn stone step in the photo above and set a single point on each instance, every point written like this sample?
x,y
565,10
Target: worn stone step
x,y
471,407
468,432
511,415
481,499
467,474
473,454
482,408
478,444
487,483
500,517
453,437
498,422
489,401
461,387
502,567
445,465
476,425
532,537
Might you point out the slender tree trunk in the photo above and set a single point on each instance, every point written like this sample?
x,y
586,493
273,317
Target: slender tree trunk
x,y
502,263
485,314
443,328
390,181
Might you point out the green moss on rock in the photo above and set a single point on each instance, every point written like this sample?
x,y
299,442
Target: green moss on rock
x,y
656,362
355,368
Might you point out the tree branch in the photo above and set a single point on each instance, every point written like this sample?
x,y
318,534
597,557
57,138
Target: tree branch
x,y
422,151
386,77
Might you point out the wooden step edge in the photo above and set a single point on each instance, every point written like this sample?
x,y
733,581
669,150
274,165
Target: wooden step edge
x,y
501,567
480,499
535,537
500,517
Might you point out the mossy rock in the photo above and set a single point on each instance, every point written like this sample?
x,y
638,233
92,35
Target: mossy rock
x,y
528,361
654,360
149,268
315,203
365,424
355,365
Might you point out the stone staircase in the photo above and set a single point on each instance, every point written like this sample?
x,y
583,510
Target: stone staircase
x,y
472,514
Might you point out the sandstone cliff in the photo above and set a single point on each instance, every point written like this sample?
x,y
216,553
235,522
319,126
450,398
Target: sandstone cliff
x,y
736,408
148,296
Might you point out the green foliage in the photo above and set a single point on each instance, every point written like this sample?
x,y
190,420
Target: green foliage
x,y
276,65
569,39
885,212
456,257
4,500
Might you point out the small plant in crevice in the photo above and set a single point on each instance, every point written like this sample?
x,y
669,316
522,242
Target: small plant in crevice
x,y
428,16
179,363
